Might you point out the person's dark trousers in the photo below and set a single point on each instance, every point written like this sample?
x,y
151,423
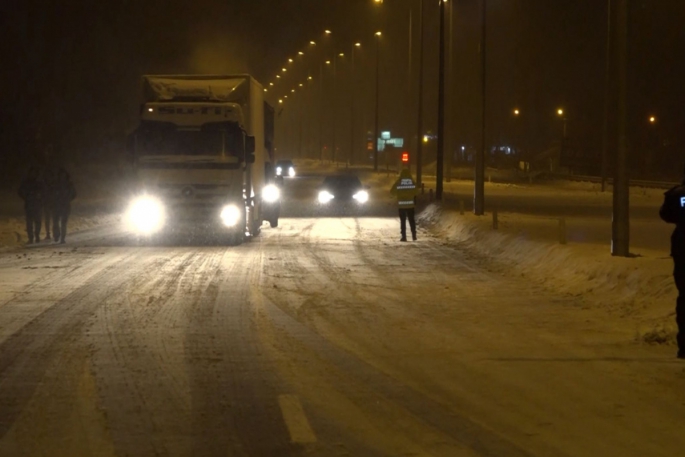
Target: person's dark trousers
x,y
679,277
407,213
59,227
33,222
47,218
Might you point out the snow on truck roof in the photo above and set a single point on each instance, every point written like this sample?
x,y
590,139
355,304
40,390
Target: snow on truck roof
x,y
216,88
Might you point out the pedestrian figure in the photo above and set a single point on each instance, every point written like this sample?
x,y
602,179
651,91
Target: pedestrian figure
x,y
31,190
405,190
49,176
673,212
62,194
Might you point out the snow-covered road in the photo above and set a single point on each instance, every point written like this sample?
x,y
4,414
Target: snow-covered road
x,y
323,337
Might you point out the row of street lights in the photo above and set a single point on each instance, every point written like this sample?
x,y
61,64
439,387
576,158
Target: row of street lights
x,y
333,63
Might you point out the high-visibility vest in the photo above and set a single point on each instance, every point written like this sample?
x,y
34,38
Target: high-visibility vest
x,y
405,191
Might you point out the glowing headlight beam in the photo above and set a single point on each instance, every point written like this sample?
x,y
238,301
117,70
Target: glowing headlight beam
x,y
279,171
362,196
291,172
145,215
271,194
325,196
230,215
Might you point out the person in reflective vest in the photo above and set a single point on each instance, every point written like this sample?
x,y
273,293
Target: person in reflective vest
x,y
673,212
405,191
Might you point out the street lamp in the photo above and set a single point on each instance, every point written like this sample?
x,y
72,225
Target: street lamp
x,y
516,112
652,119
353,94
375,135
560,113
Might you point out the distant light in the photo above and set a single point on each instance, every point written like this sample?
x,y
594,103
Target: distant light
x,y
342,54
271,84
285,96
150,109
313,43
405,157
280,100
652,119
378,33
358,44
560,112
301,84
328,62
328,32
265,89
309,78
278,76
516,112
293,91
284,69
290,60
425,138
301,53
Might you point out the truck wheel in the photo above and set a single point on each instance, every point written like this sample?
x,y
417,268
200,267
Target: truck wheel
x,y
273,222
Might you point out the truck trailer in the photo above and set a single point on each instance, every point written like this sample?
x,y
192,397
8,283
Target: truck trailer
x,y
202,156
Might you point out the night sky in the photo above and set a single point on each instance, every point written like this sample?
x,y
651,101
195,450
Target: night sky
x,y
71,69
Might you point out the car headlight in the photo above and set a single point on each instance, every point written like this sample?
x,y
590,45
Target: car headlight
x,y
145,215
279,171
291,172
230,215
362,196
325,196
271,194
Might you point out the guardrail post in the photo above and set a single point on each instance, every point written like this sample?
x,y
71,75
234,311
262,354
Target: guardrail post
x,y
562,231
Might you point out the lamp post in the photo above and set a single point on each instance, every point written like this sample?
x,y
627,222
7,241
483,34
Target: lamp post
x,y
350,158
479,172
441,108
375,135
419,123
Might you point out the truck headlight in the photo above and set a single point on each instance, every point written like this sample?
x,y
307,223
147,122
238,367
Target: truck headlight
x,y
362,196
325,196
279,171
271,194
145,215
230,215
291,172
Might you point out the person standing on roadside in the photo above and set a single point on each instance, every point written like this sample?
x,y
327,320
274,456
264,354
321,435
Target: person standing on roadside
x,y
32,191
404,189
63,193
49,176
673,212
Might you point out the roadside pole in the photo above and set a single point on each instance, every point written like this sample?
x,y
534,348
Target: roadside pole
x,y
441,108
479,179
620,242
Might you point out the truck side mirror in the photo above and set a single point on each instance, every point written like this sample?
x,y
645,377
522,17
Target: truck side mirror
x,y
249,145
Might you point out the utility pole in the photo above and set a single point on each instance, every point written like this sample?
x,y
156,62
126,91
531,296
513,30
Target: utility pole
x,y
353,94
607,99
409,77
440,162
375,135
449,140
479,179
620,240
419,135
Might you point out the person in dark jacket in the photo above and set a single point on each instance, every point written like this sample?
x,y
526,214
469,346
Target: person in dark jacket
x,y
32,192
673,212
405,190
48,177
63,193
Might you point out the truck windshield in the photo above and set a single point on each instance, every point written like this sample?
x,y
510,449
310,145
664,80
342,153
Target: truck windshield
x,y
158,141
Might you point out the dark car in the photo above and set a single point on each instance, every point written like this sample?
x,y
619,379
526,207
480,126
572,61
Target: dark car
x,y
285,168
342,189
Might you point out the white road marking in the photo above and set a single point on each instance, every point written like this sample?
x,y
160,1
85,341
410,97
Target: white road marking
x,y
295,419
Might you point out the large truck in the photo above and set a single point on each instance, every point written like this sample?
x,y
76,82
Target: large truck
x,y
203,155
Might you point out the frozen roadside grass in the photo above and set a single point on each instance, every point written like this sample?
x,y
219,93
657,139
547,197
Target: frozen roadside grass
x,y
637,292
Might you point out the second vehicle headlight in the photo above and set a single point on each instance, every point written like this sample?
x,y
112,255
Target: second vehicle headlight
x,y
145,215
230,215
291,172
325,196
279,171
271,194
362,196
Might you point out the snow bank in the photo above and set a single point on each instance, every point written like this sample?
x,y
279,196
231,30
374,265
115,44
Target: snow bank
x,y
638,291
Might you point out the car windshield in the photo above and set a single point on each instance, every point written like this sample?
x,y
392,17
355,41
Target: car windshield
x,y
285,163
342,182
